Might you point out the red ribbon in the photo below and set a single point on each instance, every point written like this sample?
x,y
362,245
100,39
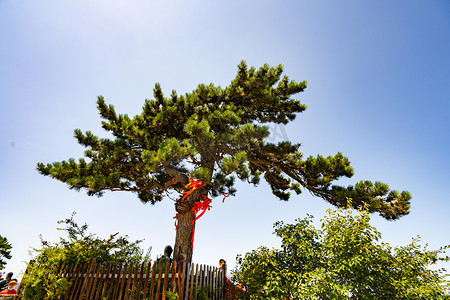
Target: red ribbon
x,y
193,185
225,196
192,239
173,181
176,221
202,205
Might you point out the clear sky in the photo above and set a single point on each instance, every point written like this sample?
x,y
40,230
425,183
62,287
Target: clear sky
x,y
378,76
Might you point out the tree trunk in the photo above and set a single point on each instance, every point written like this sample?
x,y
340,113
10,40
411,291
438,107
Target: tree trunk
x,y
185,228
183,239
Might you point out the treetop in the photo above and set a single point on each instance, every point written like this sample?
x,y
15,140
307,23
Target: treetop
x,y
215,134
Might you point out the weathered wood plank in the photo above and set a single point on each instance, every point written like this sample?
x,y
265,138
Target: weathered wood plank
x,y
91,291
105,281
191,286
81,278
187,281
100,282
166,279
122,281
74,284
152,285
174,275
147,279
130,271
141,277
89,279
160,267
117,282
86,278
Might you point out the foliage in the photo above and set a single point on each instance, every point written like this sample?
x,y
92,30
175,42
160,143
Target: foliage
x,y
342,260
214,134
234,291
5,251
42,280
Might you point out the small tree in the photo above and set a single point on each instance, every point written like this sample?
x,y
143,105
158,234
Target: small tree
x,y
42,280
342,260
202,141
5,251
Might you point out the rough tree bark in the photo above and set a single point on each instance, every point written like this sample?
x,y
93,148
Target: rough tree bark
x,y
185,228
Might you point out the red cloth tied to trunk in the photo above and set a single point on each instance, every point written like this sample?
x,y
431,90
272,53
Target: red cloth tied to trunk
x,y
202,205
192,185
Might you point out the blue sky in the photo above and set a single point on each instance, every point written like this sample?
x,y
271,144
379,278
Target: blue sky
x,y
378,77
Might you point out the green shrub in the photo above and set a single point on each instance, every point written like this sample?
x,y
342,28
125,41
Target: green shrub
x,y
42,280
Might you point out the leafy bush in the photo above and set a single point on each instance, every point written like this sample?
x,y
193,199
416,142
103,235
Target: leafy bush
x,y
42,280
342,260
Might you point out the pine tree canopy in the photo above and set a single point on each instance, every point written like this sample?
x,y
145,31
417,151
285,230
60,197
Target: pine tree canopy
x,y
215,134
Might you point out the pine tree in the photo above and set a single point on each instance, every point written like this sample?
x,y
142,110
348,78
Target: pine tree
x,y
198,143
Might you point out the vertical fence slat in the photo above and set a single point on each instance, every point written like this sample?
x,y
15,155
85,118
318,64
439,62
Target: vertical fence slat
x,y
105,280
133,283
100,281
180,278
152,285
122,281
111,280
174,275
179,281
87,278
166,278
107,283
202,278
90,282
96,274
187,289
80,280
141,275
222,283
214,283
207,269
200,282
186,266
119,276
130,272
147,278
191,287
218,284
196,281
72,275
217,294
158,286
210,281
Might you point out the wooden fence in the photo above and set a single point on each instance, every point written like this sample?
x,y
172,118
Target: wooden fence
x,y
163,280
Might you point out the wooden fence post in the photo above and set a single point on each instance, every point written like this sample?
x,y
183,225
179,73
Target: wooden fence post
x,y
87,277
